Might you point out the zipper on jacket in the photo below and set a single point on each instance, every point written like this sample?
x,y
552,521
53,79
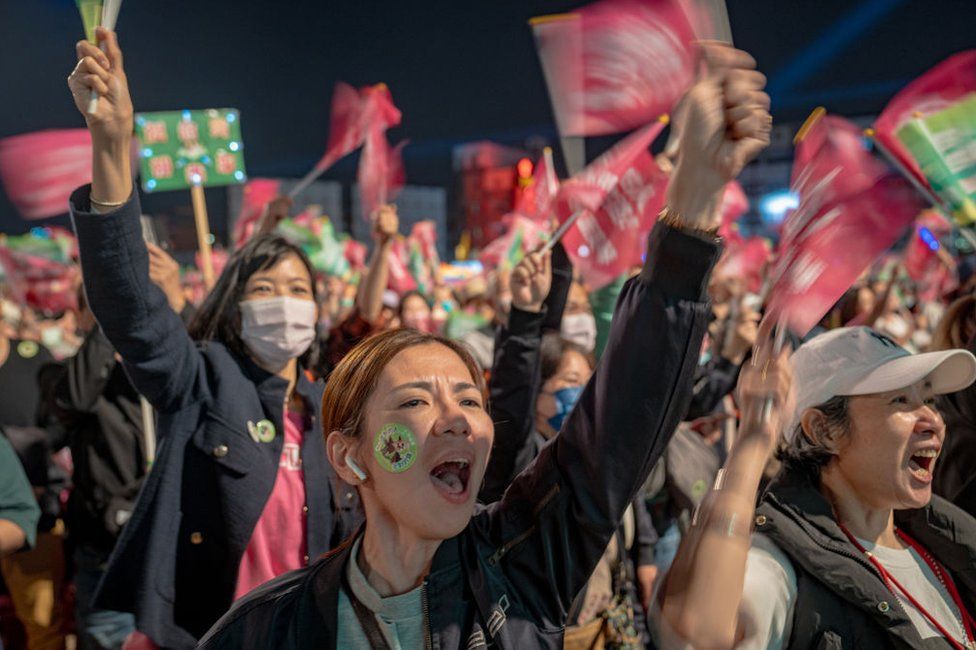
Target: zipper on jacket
x,y
428,644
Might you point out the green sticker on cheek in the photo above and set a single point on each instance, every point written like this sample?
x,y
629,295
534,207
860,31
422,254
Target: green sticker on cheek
x,y
395,448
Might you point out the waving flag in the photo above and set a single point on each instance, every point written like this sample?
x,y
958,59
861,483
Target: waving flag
x,y
929,128
619,194
522,236
353,115
40,170
381,174
616,64
851,210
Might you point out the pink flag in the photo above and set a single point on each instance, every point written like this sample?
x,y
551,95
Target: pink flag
x,y
353,115
400,279
735,203
425,234
851,210
536,200
381,175
925,261
40,170
38,282
355,252
619,194
256,195
616,64
747,259
937,89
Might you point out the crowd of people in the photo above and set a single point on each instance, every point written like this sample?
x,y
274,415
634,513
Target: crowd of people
x,y
298,460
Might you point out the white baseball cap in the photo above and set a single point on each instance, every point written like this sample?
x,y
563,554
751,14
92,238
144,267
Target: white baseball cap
x,y
852,361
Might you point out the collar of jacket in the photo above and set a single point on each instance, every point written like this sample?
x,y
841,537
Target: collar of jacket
x,y
327,580
794,512
271,388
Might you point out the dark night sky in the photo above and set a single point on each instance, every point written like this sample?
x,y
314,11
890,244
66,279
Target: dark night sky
x,y
460,70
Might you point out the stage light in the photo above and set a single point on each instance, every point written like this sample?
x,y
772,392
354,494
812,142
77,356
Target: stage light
x,y
774,206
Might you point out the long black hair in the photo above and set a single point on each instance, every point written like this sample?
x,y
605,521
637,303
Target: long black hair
x,y
219,318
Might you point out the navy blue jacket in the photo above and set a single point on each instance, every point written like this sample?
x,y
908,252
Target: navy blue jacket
x,y
509,578
176,562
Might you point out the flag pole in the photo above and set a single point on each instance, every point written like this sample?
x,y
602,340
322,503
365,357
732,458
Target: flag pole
x,y
203,233
306,181
562,230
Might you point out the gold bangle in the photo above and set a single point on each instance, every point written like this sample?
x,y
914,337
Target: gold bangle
x,y
672,219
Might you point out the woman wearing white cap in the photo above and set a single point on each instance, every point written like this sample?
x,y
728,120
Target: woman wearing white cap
x,y
851,549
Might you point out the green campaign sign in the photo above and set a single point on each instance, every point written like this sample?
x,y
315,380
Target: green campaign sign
x,y
944,146
178,149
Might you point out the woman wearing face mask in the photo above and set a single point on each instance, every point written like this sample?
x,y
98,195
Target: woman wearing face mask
x,y
241,489
851,548
408,425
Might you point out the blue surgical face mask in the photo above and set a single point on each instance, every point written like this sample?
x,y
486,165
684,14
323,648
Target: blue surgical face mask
x,y
566,399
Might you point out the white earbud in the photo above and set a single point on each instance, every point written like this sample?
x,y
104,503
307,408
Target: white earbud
x,y
356,469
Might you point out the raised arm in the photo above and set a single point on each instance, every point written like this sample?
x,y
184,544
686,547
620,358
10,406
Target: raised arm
x,y
641,388
369,298
134,313
709,570
514,383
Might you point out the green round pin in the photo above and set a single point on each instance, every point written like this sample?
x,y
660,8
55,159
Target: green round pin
x,y
27,349
395,448
263,431
699,488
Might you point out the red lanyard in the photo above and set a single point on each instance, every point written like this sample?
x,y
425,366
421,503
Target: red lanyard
x,y
940,573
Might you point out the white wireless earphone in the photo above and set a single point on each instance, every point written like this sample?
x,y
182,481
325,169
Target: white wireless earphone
x,y
356,469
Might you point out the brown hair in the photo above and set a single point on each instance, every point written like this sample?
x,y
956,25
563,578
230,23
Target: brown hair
x,y
957,327
354,378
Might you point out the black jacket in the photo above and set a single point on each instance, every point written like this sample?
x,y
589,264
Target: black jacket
x,y
176,562
842,601
513,390
955,473
510,577
102,417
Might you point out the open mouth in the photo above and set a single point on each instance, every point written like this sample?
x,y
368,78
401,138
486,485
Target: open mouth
x,y
451,479
921,462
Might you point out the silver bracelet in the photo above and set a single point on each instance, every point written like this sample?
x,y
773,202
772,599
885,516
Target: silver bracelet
x,y
105,204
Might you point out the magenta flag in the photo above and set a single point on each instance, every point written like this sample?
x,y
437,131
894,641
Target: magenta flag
x,y
937,89
747,259
619,195
616,65
40,170
381,173
400,279
424,233
354,113
852,209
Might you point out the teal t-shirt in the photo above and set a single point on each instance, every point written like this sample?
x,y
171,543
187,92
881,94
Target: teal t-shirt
x,y
17,502
400,618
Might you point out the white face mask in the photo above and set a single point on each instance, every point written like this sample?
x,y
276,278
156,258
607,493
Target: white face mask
x,y
580,329
276,330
